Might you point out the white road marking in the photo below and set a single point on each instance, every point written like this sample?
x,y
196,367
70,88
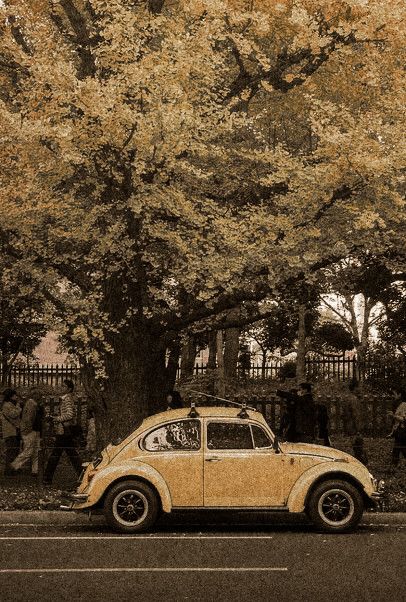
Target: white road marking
x,y
150,570
126,537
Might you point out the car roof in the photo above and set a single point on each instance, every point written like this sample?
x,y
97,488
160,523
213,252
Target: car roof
x,y
203,412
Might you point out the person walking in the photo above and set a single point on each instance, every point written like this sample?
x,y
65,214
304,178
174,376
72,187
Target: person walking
x,y
10,418
174,400
64,436
322,421
30,427
398,431
305,414
287,428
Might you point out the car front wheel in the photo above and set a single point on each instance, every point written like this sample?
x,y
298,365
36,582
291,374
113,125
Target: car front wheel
x,y
131,507
335,506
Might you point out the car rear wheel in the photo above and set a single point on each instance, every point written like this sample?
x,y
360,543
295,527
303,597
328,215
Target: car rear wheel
x,y
335,506
131,507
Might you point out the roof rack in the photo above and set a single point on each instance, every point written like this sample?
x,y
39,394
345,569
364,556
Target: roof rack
x,y
243,406
193,412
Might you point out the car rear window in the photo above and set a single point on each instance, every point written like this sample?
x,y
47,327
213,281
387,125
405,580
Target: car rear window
x,y
180,435
261,438
229,435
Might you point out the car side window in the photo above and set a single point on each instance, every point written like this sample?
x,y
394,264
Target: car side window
x,y
261,438
181,435
229,435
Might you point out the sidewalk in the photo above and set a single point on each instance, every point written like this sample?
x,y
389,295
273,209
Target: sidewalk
x,y
69,519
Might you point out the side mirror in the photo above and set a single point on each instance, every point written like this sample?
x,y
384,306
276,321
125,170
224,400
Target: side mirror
x,y
276,447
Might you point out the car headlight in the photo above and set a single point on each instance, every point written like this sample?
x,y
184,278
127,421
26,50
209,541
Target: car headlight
x,y
381,486
378,486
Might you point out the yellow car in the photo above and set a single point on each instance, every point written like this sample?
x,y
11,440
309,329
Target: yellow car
x,y
222,458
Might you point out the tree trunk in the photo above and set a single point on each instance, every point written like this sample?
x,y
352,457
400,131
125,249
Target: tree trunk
x,y
188,357
173,364
301,346
4,370
263,362
135,386
220,384
362,347
211,362
231,348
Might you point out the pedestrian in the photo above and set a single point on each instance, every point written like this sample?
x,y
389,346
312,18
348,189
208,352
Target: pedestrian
x,y
30,427
10,418
287,428
398,431
359,449
174,400
305,414
352,409
322,422
64,426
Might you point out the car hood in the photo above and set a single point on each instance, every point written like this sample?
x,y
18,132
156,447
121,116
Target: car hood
x,y
318,451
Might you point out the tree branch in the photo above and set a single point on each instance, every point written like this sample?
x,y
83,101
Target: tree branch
x,y
87,65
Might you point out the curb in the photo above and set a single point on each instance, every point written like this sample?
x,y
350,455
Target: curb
x,y
69,519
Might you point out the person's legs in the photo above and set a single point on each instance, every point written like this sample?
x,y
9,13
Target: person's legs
x,y
396,454
54,458
26,454
73,456
12,445
35,453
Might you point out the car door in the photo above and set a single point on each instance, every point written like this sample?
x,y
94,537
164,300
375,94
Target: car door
x,y
241,468
174,449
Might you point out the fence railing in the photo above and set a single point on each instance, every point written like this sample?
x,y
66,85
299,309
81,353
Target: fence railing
x,y
317,368
337,368
31,375
377,418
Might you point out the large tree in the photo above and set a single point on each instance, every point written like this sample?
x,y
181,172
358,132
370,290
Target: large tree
x,y
164,162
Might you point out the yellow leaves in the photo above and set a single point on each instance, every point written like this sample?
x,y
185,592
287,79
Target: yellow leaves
x,y
145,173
369,220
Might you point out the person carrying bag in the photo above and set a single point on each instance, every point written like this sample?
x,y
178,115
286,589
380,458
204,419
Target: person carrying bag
x,y
64,425
10,417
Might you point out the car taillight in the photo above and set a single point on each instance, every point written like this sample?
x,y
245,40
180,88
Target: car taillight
x,y
97,461
91,474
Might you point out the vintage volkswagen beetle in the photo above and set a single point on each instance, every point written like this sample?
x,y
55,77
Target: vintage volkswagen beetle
x,y
221,458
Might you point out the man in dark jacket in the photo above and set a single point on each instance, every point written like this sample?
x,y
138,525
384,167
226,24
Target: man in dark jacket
x,y
305,414
287,428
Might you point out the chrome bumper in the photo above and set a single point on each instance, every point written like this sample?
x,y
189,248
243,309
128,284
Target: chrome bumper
x,y
72,499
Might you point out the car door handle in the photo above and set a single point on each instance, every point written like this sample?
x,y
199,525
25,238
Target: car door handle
x,y
213,459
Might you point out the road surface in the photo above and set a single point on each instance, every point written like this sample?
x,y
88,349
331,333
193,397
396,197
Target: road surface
x,y
253,560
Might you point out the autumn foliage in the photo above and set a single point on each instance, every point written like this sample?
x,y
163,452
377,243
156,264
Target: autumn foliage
x,y
163,162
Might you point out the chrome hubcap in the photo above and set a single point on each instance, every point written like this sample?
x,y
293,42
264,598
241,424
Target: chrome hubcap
x,y
336,507
130,507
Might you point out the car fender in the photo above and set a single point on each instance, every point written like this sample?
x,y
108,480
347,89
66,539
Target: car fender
x,y
131,469
297,497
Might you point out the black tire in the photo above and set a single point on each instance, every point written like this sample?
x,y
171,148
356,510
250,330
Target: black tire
x,y
131,507
335,506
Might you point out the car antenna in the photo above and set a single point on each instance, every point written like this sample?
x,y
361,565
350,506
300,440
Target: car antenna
x,y
234,403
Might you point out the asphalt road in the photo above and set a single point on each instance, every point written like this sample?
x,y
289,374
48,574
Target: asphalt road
x,y
254,560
